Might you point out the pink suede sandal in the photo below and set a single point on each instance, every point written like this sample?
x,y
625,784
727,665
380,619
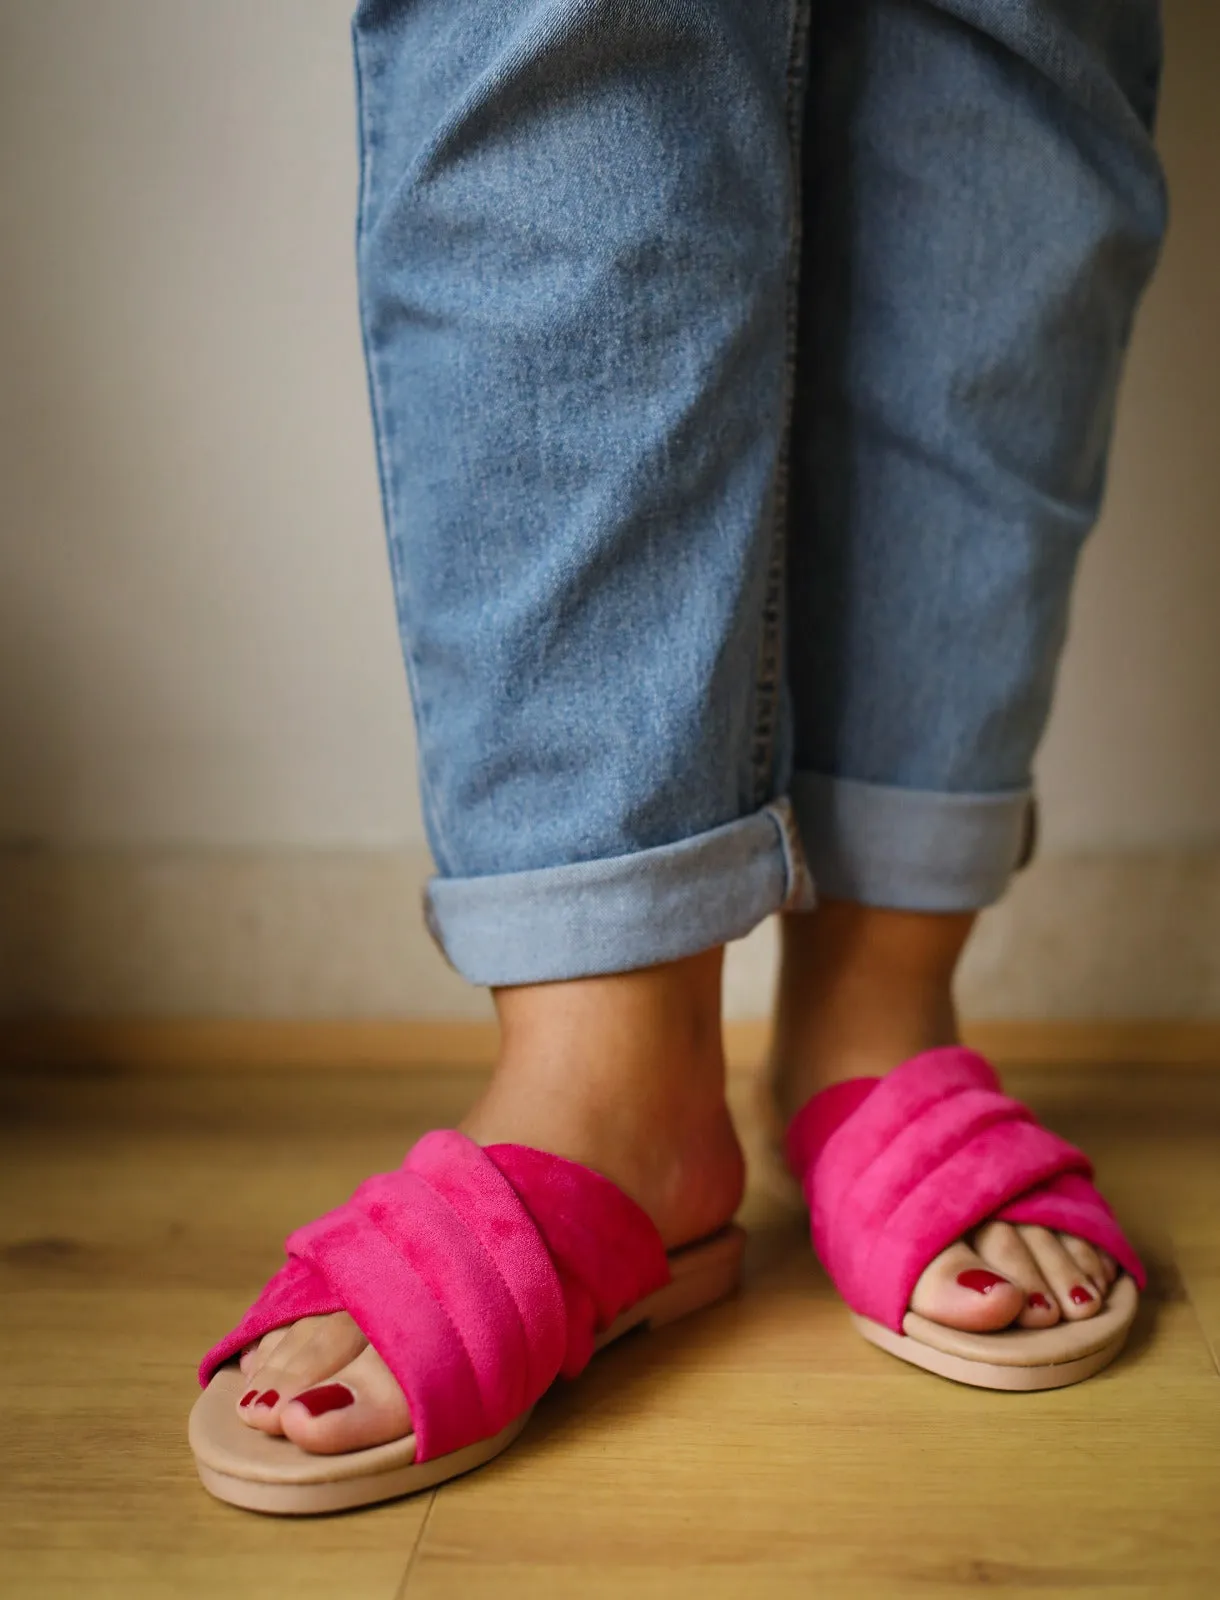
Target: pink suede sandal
x,y
480,1275
895,1169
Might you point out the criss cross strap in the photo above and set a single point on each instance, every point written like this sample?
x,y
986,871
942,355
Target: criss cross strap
x,y
606,1250
895,1169
478,1275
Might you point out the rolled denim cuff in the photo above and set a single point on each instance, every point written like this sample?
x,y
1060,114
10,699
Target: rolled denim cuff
x,y
911,849
619,914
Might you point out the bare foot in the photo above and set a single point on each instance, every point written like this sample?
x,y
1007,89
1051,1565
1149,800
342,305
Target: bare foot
x,y
862,990
624,1074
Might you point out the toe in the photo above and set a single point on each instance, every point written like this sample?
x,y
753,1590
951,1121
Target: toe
x,y
312,1350
1088,1258
1077,1295
358,1406
257,1355
960,1290
1002,1248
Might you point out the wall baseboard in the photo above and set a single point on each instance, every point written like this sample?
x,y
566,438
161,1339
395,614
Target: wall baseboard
x,y
304,937
241,1045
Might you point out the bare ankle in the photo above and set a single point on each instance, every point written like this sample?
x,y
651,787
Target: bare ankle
x,y
626,1074
617,1018
861,989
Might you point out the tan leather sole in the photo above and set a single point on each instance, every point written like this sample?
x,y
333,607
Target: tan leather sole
x,y
1014,1358
265,1472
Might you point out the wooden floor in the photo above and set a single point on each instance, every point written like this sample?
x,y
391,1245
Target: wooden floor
x,y
760,1449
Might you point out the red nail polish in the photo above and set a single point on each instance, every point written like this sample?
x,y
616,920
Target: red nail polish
x,y
978,1280
269,1398
1039,1302
247,1397
1080,1295
329,1397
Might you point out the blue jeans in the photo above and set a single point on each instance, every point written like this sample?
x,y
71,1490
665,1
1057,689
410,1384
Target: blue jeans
x,y
743,383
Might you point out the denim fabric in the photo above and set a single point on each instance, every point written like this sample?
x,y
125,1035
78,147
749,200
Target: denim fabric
x,y
582,271
983,207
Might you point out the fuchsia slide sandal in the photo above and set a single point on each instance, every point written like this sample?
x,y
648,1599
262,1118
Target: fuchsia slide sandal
x,y
479,1275
895,1169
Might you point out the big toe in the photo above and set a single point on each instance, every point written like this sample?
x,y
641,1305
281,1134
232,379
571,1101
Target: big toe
x,y
309,1352
357,1407
960,1290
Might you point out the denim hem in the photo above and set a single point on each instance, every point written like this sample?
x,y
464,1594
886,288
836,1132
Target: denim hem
x,y
910,849
616,915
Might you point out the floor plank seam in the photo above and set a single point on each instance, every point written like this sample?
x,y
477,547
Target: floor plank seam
x,y
401,1591
1204,1334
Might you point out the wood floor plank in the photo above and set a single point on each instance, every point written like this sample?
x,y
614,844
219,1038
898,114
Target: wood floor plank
x,y
139,1217
767,1450
102,1497
761,1448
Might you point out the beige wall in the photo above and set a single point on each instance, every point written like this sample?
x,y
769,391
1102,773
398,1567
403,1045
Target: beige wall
x,y
196,641
196,634
197,647
1133,755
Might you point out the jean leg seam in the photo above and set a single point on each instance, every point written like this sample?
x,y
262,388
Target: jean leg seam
x,y
800,890
770,666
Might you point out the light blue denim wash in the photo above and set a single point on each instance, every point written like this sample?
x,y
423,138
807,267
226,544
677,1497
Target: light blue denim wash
x,y
743,382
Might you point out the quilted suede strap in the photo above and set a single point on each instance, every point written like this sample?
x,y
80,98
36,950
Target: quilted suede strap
x,y
478,1275
895,1169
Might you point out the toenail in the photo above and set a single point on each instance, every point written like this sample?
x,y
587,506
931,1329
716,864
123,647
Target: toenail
x,y
1080,1295
270,1397
247,1397
1039,1302
978,1280
329,1397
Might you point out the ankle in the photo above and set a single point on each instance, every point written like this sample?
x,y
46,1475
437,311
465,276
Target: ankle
x,y
625,1074
861,990
599,1027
